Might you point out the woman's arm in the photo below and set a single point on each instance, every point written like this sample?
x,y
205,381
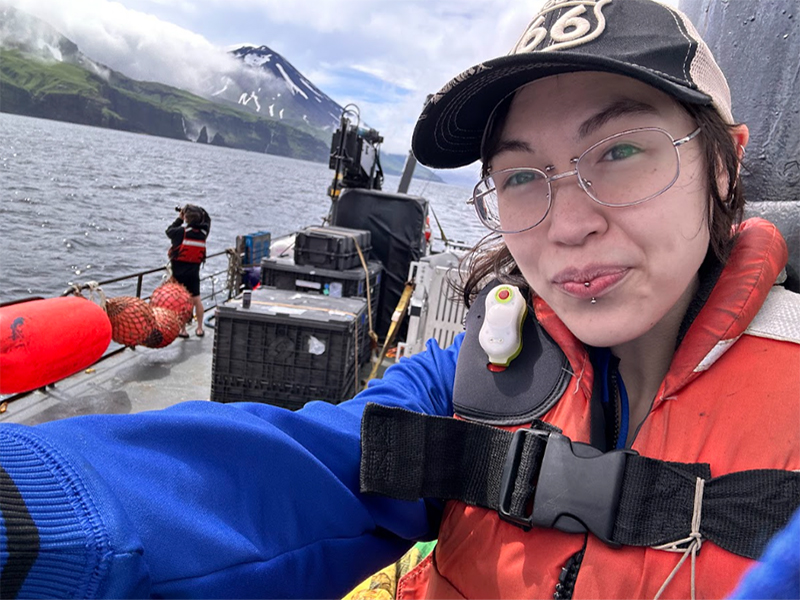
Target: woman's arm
x,y
210,500
175,231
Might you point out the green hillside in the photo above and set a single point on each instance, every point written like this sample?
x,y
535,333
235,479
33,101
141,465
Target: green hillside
x,y
69,92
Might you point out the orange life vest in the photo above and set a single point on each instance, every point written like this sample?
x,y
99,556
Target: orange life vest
x,y
731,398
193,247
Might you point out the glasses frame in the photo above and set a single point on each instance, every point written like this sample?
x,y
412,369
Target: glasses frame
x,y
585,185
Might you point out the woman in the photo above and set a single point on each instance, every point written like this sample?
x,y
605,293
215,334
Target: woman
x,y
187,253
651,352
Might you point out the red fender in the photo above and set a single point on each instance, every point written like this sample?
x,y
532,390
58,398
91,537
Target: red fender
x,y
43,341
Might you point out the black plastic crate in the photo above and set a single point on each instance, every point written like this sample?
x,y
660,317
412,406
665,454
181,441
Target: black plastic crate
x,y
286,349
331,247
284,274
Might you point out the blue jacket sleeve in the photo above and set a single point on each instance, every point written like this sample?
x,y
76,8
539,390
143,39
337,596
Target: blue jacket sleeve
x,y
777,574
208,500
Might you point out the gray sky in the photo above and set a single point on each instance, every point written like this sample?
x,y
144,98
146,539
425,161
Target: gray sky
x,y
386,56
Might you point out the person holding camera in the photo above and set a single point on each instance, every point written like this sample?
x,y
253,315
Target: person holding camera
x,y
188,235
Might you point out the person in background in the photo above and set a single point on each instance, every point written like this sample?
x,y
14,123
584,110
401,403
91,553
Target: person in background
x,y
188,235
640,442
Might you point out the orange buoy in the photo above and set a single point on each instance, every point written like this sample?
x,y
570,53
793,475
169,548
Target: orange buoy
x,y
43,341
168,325
132,320
173,296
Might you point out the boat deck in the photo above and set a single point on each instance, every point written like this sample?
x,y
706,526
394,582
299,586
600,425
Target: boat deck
x,y
129,382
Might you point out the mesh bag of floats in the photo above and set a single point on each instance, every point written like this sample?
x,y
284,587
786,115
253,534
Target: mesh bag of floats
x,y
156,324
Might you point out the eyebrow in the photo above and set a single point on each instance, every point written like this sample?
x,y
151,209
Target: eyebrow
x,y
512,146
615,110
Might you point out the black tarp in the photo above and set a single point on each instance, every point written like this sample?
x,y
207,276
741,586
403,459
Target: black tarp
x,y
757,45
397,223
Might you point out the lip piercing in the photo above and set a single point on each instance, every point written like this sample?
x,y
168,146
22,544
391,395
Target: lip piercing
x,y
587,284
594,300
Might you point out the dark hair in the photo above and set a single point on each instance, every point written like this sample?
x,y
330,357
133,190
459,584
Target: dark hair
x,y
490,258
193,215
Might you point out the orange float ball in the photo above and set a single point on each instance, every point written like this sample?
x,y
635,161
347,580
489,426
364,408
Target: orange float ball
x,y
168,325
132,320
175,297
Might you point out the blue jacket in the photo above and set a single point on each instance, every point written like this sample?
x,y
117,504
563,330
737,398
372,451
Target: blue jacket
x,y
231,500
777,574
209,500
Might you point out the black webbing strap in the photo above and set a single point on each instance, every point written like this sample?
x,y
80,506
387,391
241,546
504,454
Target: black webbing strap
x,y
621,497
407,455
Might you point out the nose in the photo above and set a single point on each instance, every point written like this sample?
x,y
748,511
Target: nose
x,y
574,215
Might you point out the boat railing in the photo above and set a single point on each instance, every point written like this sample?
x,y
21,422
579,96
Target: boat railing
x,y
212,278
232,273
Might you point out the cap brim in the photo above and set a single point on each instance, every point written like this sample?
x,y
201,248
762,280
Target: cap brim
x,y
449,131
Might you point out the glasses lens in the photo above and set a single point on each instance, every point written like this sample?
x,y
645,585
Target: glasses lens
x,y
630,167
512,200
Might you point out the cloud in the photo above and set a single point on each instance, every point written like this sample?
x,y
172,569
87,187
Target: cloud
x,y
386,55
138,44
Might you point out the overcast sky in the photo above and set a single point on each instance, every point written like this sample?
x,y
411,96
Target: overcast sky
x,y
384,55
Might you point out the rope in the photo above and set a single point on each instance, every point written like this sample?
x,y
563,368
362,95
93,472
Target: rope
x,y
373,336
96,293
235,269
397,318
694,541
167,272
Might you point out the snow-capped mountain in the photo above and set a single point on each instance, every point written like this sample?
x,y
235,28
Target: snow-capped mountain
x,y
271,87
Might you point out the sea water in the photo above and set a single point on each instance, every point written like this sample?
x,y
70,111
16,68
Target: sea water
x,y
81,203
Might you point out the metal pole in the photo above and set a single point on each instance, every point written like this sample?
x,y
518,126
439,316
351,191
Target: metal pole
x,y
408,173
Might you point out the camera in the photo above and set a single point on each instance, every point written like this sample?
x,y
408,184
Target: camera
x,y
178,208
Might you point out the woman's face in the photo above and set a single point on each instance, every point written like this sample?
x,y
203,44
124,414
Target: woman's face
x,y
640,261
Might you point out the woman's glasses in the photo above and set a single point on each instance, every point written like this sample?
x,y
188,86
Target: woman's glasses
x,y
624,169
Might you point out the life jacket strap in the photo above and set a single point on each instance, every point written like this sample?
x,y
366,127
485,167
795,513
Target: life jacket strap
x,y
537,477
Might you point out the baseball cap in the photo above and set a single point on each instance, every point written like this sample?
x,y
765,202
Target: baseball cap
x,y
643,39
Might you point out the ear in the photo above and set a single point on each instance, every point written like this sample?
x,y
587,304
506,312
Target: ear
x,y
741,135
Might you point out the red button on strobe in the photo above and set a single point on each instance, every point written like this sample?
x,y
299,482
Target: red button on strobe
x,y
503,294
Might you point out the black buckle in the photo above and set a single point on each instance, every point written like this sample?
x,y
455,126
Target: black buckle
x,y
578,487
510,470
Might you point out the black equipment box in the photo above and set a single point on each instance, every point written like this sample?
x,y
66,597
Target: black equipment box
x,y
331,247
287,348
397,223
284,274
